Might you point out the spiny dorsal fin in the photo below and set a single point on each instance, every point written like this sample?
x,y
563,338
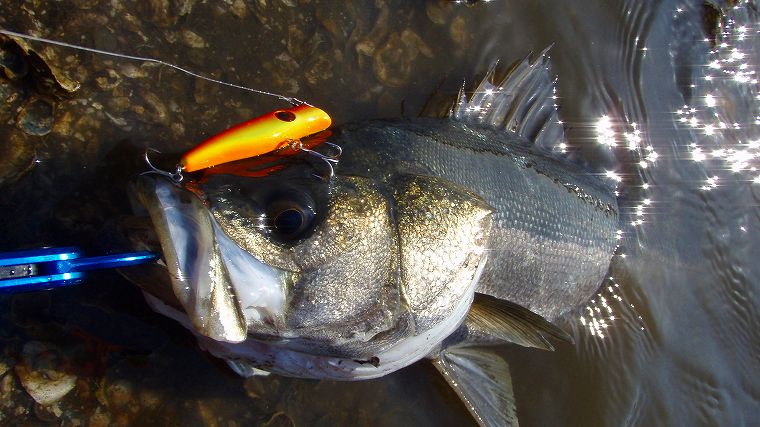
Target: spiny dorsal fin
x,y
481,379
509,322
523,102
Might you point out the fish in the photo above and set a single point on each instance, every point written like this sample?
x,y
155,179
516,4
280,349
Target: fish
x,y
431,238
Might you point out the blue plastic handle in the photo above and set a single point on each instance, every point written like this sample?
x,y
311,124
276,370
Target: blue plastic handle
x,y
48,268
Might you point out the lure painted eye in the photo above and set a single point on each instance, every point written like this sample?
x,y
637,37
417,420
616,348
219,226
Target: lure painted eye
x,y
285,116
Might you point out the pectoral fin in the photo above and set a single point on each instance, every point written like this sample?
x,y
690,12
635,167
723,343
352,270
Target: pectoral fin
x,y
482,381
495,321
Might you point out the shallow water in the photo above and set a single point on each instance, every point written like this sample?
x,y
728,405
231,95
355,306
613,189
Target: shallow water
x,y
682,346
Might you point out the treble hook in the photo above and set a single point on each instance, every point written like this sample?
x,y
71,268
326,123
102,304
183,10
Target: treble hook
x,y
175,176
330,160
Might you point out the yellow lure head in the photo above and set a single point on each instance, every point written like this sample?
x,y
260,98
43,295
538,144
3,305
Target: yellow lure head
x,y
255,137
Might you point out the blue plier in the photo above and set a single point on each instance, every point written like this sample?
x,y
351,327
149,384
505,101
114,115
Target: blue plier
x,y
49,268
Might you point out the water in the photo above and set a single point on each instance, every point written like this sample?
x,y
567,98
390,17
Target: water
x,y
682,346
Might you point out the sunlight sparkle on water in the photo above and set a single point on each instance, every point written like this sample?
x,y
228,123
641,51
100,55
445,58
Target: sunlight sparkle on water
x,y
600,312
726,133
605,134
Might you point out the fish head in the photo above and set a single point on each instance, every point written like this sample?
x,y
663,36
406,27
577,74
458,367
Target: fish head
x,y
345,266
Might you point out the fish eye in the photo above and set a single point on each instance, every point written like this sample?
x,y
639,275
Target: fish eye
x,y
289,221
289,218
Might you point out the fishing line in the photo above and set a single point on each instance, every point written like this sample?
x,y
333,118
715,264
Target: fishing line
x,y
291,100
255,137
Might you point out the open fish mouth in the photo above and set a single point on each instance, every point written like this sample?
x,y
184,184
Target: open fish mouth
x,y
204,266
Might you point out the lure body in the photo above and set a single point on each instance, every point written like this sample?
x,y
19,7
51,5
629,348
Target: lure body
x,y
255,137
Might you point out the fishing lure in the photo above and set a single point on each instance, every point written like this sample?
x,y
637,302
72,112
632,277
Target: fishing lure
x,y
280,132
255,137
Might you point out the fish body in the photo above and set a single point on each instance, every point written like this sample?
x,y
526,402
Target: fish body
x,y
433,236
554,223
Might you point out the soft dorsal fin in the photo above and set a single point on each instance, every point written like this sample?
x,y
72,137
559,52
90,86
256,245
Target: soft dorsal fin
x,y
523,102
481,379
492,321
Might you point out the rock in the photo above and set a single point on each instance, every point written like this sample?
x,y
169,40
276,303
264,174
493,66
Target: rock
x,y
192,39
99,419
393,61
438,11
48,76
47,413
161,12
11,61
36,117
158,111
458,30
318,70
41,374
239,9
415,43
17,156
366,45
279,419
119,395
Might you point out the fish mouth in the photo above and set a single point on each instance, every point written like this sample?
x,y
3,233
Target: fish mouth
x,y
207,269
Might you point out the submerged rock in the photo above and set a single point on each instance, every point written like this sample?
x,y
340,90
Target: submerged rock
x,y
17,156
11,62
20,59
41,374
36,117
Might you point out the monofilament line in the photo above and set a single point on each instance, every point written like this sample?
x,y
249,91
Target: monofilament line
x,y
291,100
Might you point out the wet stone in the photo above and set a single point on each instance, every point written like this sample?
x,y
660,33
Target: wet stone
x,y
192,39
42,374
48,67
339,18
132,71
10,99
393,62
13,65
367,44
108,81
85,4
47,413
17,156
100,418
157,110
414,44
279,419
438,11
319,69
119,395
458,30
164,13
150,399
296,40
36,117
239,9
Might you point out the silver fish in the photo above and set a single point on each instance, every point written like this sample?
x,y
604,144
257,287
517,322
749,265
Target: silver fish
x,y
433,237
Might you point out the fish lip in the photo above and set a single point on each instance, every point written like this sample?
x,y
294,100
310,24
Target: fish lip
x,y
210,274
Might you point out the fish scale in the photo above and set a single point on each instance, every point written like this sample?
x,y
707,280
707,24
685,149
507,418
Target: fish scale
x,y
549,247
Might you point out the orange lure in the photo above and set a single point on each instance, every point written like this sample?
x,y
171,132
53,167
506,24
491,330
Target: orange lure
x,y
255,137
